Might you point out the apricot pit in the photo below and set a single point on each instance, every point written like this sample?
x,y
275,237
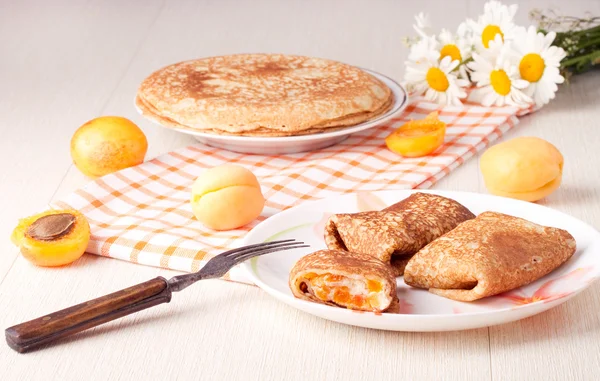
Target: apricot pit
x,y
51,227
52,238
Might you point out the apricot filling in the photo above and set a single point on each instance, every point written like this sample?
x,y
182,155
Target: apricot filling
x,y
360,294
52,238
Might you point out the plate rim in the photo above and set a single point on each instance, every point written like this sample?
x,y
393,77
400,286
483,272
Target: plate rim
x,y
397,89
247,266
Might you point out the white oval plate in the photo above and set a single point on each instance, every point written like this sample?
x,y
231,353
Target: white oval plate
x,y
421,310
293,144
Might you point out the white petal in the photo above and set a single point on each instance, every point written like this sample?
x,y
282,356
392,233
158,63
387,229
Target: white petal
x,y
442,98
500,101
520,83
476,95
530,90
445,64
512,10
431,95
462,82
548,40
489,98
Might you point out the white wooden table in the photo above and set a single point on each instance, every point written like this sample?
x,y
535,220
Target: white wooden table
x,y
65,62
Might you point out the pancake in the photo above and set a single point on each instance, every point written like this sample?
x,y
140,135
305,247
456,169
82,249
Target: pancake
x,y
348,280
263,94
148,112
397,232
488,255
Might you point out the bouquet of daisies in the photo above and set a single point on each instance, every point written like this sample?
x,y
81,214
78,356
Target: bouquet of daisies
x,y
504,64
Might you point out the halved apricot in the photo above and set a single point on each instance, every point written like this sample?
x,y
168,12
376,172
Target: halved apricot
x,y
52,238
418,138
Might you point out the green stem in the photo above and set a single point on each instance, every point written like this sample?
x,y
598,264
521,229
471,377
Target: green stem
x,y
573,34
575,60
583,31
572,64
589,43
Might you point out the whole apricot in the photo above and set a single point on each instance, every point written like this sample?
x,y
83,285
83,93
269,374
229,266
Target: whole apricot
x,y
526,168
52,238
226,197
107,144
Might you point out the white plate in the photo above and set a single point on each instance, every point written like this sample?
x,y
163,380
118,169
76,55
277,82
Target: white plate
x,y
421,310
301,143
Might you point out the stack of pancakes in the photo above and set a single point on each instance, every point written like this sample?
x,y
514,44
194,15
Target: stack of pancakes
x,y
262,95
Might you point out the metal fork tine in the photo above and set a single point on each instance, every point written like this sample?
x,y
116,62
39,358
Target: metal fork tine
x,y
223,262
264,244
253,252
247,256
253,248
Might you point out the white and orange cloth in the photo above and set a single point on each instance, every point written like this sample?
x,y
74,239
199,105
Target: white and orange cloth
x,y
143,215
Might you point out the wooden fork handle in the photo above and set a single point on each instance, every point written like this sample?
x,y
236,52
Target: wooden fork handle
x,y
43,330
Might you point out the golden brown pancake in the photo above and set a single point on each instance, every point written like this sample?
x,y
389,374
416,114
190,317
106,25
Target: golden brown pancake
x,y
488,255
262,94
397,232
349,280
345,123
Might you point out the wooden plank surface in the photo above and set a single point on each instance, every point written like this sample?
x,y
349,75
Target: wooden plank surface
x,y
72,61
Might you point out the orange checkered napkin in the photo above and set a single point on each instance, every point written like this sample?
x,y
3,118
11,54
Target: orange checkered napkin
x,y
143,215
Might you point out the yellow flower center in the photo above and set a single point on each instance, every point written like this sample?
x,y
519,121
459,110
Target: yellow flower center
x,y
532,67
500,82
489,33
451,51
437,80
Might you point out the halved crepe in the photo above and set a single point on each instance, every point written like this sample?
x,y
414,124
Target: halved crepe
x,y
488,255
262,95
396,233
343,279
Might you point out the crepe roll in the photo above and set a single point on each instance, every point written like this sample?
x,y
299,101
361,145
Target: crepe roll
x,y
488,255
397,232
349,280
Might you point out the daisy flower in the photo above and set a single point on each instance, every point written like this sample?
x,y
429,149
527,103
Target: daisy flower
x,y
497,78
423,25
435,79
453,46
424,49
497,19
539,63
458,46
465,32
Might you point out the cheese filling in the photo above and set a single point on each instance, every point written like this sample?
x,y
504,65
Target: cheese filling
x,y
360,294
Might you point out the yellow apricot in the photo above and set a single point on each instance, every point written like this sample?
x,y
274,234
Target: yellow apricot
x,y
526,168
107,144
52,238
226,197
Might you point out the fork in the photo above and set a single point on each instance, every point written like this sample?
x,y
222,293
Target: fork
x,y
57,325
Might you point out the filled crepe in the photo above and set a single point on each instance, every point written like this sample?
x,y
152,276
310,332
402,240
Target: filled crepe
x,y
397,232
488,255
343,279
